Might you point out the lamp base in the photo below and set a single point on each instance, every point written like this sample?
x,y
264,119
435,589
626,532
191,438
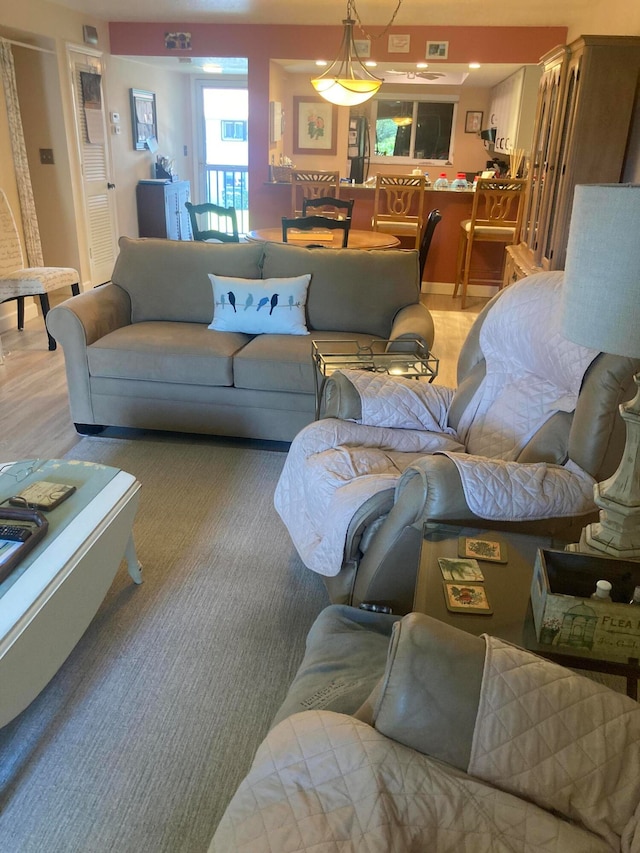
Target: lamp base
x,y
595,539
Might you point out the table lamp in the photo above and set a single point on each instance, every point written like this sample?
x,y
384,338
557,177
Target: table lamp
x,y
601,309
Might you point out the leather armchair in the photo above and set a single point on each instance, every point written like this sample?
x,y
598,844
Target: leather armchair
x,y
560,458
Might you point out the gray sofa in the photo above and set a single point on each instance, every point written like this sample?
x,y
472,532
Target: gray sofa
x,y
139,353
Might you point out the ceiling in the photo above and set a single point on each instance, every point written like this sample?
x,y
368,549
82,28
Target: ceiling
x,y
533,13
372,13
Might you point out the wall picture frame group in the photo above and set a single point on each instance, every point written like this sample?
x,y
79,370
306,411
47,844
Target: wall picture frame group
x,y
144,122
315,126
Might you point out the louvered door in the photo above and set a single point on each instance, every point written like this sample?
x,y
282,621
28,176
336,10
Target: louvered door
x,y
99,200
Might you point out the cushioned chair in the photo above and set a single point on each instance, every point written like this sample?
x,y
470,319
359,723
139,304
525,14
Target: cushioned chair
x,y
413,735
398,206
533,422
496,216
308,223
18,281
312,183
339,208
226,218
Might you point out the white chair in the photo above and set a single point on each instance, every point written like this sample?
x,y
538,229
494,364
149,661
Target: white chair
x,y
18,281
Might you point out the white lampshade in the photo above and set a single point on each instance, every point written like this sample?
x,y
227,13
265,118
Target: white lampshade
x,y
601,295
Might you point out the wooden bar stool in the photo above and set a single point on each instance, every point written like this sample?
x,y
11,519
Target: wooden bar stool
x,y
496,215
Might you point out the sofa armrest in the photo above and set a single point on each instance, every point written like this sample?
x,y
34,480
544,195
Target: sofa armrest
x,y
90,316
76,324
413,321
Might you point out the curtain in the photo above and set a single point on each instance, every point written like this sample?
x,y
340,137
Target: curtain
x,y
20,162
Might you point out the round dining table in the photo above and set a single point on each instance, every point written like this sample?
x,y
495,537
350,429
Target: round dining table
x,y
358,239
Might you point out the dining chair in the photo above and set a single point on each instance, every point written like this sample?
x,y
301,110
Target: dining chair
x,y
224,217
427,235
312,183
398,206
339,208
18,281
496,216
308,223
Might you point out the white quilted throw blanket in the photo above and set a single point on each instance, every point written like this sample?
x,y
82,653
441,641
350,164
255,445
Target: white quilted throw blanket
x,y
331,469
562,741
532,370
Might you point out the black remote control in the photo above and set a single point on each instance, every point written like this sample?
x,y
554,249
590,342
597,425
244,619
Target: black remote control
x,y
14,532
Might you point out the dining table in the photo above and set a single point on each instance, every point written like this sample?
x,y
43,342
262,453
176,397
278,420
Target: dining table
x,y
358,238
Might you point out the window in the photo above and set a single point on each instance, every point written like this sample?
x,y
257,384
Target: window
x,y
420,129
233,130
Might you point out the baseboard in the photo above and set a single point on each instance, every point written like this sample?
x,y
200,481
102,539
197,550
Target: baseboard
x,y
9,314
446,287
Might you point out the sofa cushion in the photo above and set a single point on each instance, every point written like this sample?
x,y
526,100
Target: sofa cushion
x,y
351,290
168,279
281,362
272,306
166,352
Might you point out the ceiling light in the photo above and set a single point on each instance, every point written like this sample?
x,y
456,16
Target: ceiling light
x,y
347,81
474,65
210,68
371,64
321,63
422,64
403,121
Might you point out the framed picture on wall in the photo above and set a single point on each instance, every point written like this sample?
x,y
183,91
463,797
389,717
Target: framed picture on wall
x,y
315,126
473,123
143,118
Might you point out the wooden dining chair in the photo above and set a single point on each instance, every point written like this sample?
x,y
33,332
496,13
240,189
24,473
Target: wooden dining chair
x,y
308,223
18,281
312,183
427,236
496,217
398,206
225,218
338,208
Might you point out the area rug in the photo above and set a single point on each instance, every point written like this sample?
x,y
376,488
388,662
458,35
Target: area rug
x,y
142,737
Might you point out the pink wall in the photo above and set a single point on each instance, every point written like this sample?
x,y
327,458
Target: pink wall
x,y
260,43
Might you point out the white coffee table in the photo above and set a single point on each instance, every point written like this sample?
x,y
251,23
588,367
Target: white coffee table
x,y
47,603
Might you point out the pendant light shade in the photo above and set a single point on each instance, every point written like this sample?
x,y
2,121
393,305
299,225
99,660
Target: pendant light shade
x,y
339,83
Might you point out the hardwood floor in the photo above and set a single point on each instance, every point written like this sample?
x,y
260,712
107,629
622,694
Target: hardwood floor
x,y
34,404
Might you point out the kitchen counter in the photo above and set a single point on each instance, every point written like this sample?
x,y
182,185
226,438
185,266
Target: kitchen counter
x,y
454,205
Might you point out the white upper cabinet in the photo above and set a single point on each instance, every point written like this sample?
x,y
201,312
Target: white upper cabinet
x,y
513,109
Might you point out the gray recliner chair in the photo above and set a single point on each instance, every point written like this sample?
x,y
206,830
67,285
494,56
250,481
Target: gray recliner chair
x,y
581,441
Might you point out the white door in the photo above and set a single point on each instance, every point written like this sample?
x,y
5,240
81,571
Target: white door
x,y
87,75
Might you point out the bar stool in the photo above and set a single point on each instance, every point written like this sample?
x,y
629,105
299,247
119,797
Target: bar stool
x,y
496,215
398,206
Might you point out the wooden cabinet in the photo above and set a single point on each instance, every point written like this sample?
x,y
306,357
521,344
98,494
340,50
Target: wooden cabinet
x,y
513,110
161,210
584,115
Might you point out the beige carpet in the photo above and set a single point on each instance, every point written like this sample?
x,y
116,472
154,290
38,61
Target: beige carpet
x,y
140,740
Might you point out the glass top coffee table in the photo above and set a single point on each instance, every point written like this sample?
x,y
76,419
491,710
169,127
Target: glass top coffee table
x,y
406,358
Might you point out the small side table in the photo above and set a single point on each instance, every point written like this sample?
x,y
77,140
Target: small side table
x,y
508,588
406,358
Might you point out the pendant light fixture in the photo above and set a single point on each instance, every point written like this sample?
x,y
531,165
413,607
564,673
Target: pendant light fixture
x,y
347,81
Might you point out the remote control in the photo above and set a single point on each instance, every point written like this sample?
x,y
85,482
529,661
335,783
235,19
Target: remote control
x,y
14,533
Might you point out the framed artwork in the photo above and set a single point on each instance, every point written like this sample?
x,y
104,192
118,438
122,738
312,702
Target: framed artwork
x,y
315,126
473,123
437,50
143,118
399,44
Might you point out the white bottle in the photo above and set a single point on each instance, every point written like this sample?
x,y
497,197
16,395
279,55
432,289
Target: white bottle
x,y
441,183
603,591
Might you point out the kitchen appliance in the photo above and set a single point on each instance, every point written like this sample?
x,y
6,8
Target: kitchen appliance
x,y
358,150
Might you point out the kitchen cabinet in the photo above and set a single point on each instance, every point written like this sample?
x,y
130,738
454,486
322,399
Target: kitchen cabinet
x,y
513,109
161,210
584,115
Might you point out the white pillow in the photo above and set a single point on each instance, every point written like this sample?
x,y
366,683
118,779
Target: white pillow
x,y
259,306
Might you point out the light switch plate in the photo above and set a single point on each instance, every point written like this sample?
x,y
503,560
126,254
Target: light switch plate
x,y
46,156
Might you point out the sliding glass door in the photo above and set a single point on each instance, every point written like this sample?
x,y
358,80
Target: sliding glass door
x,y
223,156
